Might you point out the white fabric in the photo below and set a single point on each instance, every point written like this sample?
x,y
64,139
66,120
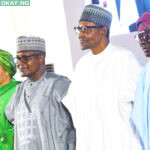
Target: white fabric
x,y
100,100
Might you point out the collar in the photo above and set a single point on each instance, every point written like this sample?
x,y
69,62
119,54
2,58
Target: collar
x,y
101,55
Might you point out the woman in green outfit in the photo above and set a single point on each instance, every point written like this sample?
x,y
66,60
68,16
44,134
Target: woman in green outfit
x,y
7,88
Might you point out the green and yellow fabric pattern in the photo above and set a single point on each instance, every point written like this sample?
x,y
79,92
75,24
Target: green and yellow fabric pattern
x,y
7,62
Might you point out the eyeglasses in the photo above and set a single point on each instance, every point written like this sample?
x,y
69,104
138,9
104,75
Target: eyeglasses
x,y
84,29
143,36
24,59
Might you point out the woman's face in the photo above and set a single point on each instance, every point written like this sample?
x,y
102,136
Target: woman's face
x,y
3,75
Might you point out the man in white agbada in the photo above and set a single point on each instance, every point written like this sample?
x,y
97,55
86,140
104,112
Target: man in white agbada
x,y
103,87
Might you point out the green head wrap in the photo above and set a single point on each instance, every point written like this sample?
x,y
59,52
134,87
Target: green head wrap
x,y
7,62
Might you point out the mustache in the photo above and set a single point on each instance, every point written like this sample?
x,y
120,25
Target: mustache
x,y
83,38
22,67
147,46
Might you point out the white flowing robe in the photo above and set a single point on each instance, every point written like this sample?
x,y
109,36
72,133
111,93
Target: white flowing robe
x,y
100,100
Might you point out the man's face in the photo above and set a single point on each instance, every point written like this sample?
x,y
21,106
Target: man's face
x,y
91,38
28,63
144,40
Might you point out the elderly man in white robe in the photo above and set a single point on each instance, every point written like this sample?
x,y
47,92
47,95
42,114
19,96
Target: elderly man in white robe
x,y
103,87
41,121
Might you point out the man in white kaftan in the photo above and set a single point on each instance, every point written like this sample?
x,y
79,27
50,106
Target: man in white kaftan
x,y
103,87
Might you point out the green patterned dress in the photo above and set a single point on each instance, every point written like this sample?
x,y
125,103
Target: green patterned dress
x,y
6,129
